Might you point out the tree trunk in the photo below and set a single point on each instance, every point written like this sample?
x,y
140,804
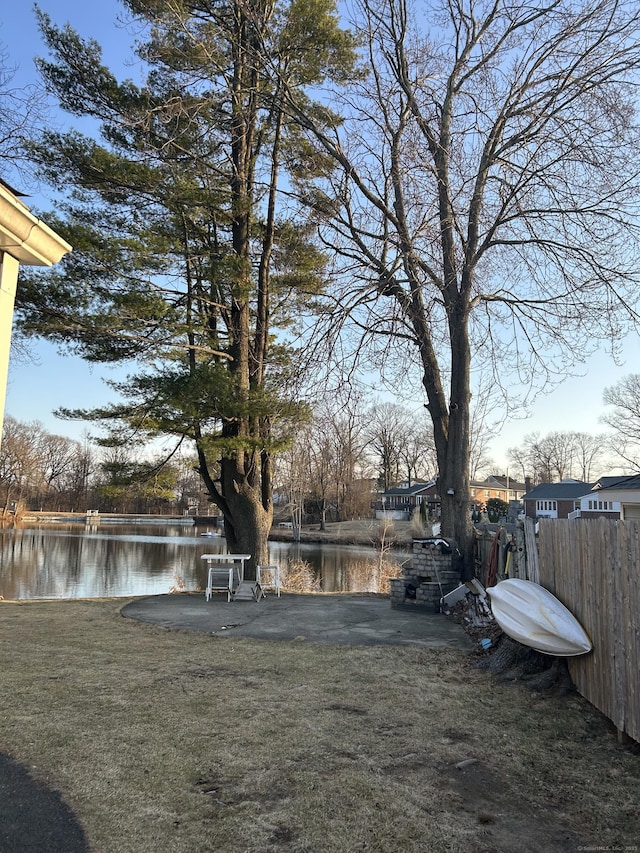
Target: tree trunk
x,y
246,503
247,525
454,468
451,429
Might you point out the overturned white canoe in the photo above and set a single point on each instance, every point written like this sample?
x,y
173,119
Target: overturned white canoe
x,y
530,614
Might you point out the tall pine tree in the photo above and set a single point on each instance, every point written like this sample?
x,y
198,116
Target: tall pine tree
x,y
185,263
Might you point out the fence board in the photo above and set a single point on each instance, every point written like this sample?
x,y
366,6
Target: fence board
x,y
533,568
618,591
634,624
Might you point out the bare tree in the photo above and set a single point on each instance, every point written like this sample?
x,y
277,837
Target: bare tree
x,y
386,432
560,455
327,463
417,451
624,420
291,476
345,419
21,461
590,455
482,204
553,455
483,427
58,454
79,475
22,110
401,442
520,458
321,475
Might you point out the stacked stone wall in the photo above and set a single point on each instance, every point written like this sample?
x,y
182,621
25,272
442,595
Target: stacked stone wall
x,y
430,576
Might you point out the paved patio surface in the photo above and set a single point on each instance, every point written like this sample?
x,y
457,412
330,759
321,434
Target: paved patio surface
x,y
317,618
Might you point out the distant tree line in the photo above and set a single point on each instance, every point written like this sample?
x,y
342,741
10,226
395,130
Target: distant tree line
x,y
353,446
561,455
47,472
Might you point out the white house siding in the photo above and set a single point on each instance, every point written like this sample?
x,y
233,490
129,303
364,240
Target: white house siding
x,y
627,499
547,509
599,504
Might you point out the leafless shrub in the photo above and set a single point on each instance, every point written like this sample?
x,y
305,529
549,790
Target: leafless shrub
x,y
299,576
178,585
372,575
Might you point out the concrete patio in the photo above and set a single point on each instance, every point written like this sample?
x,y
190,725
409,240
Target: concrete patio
x,y
316,618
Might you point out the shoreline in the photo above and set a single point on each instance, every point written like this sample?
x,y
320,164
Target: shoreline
x,y
364,533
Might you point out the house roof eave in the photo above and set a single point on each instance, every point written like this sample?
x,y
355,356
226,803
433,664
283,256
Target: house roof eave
x,y
25,237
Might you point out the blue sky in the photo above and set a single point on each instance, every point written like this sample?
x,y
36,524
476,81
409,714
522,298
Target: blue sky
x,y
38,386
99,20
51,380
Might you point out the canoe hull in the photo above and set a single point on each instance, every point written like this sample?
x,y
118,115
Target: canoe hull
x,y
530,614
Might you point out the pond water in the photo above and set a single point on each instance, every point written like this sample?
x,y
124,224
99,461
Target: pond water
x,y
109,561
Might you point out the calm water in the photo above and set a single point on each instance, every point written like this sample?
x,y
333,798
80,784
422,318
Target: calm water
x,y
107,561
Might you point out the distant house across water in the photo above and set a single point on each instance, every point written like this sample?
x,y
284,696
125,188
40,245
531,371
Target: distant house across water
x,y
401,501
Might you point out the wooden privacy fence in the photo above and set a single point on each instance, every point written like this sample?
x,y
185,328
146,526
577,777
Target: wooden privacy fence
x,y
593,567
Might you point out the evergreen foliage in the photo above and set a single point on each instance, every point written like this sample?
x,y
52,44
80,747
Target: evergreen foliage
x,y
185,264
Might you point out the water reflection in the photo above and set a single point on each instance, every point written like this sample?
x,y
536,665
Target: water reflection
x,y
71,561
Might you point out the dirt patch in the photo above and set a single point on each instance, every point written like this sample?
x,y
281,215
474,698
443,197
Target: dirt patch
x,y
506,821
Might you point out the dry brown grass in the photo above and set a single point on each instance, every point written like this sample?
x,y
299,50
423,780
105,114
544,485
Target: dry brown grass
x,y
366,532
364,576
299,576
182,742
374,574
